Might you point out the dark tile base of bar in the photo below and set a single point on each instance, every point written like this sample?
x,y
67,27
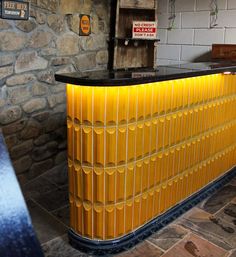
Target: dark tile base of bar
x,y
118,245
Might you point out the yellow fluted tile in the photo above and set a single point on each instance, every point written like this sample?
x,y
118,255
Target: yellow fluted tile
x,y
77,143
152,171
145,171
153,135
132,103
159,168
143,213
110,185
87,105
98,185
72,212
147,138
163,197
167,131
136,217
99,105
121,144
78,182
70,139
160,133
111,105
71,177
111,150
98,221
87,219
78,216
131,142
168,94
77,104
138,177
129,181
109,222
148,101
98,146
128,216
122,104
155,105
120,184
139,140
161,97
120,220
156,207
141,91
150,207
87,174
87,145
70,102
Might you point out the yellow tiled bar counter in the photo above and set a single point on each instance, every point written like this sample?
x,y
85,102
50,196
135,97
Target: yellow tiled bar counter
x,y
136,151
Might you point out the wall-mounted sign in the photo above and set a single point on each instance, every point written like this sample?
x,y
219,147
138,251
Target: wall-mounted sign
x,y
14,10
144,30
85,25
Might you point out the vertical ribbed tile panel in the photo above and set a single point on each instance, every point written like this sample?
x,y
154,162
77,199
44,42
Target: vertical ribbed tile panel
x,y
136,151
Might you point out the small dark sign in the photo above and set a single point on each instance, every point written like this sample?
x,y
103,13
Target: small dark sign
x,y
85,25
14,10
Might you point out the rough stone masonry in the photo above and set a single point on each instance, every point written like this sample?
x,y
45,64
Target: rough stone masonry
x,y
32,103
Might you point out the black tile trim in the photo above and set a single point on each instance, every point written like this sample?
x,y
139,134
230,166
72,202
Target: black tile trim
x,y
118,245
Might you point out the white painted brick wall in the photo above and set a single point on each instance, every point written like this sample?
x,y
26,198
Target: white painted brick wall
x,y
196,19
230,36
209,36
191,38
205,5
231,4
171,52
180,36
185,5
191,53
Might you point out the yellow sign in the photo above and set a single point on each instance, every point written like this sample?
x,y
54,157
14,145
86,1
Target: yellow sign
x,y
85,25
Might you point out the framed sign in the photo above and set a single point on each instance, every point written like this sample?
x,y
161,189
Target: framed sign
x,y
144,30
85,25
14,10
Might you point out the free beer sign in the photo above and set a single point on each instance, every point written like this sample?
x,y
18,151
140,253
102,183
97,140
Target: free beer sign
x,y
144,30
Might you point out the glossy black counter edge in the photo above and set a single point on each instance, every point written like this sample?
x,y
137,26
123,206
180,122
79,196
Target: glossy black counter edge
x,y
84,81
118,245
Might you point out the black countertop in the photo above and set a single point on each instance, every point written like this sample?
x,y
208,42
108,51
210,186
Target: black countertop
x,y
145,75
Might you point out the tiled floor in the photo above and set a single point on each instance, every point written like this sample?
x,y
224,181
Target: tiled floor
x,y
208,230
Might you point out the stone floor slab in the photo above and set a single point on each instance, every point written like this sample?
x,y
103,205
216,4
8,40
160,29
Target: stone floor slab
x,y
53,200
194,246
168,236
210,227
219,199
228,214
46,227
37,187
59,247
63,215
143,249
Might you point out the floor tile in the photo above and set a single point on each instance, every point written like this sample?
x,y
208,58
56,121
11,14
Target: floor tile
x,y
63,215
37,187
219,199
233,254
228,214
143,249
58,175
168,236
60,247
194,246
46,227
211,228
54,200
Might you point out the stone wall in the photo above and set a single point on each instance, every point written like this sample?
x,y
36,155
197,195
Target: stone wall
x,y
32,103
